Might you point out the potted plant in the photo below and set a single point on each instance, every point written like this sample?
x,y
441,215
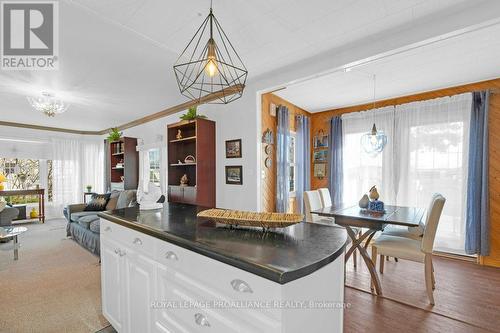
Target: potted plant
x,y
89,188
191,114
114,134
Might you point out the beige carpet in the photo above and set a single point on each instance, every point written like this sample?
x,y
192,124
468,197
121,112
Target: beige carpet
x,y
53,287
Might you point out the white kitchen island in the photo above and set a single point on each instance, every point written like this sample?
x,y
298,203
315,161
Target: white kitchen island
x,y
168,271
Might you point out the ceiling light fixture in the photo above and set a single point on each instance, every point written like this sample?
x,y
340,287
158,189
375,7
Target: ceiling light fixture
x,y
374,141
48,104
211,67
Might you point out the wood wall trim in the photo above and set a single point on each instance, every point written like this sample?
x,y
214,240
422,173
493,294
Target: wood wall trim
x,y
492,85
171,110
180,107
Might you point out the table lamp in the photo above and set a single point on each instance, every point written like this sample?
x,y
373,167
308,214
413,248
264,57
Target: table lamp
x,y
2,179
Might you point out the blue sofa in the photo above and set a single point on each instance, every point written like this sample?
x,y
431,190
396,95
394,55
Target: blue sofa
x,y
83,226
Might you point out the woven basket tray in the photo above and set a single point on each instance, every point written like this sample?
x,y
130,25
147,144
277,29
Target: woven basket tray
x,y
251,219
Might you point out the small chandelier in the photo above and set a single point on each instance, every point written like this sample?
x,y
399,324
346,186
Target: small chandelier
x,y
48,104
374,141
213,67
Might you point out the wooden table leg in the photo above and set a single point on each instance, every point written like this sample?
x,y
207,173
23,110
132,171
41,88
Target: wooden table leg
x,y
355,242
368,261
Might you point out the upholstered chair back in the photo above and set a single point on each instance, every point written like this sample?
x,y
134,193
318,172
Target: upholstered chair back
x,y
326,199
312,201
432,221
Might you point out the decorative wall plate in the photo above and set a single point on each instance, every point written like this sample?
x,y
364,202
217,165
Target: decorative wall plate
x,y
268,150
268,162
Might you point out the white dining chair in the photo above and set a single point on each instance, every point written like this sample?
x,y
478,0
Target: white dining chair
x,y
326,199
418,250
313,201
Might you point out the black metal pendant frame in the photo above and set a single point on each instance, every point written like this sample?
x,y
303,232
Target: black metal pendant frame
x,y
191,67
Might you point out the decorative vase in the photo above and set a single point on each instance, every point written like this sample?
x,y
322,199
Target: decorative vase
x,y
363,203
1,187
374,193
33,213
89,189
184,180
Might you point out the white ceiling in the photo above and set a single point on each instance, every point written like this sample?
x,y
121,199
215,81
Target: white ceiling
x,y
116,56
467,58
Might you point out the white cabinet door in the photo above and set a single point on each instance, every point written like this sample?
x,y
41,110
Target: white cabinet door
x,y
139,289
111,283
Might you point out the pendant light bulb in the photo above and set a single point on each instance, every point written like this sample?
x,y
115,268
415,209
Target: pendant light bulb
x,y
211,66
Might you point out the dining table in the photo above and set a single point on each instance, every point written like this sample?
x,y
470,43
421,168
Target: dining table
x,y
352,216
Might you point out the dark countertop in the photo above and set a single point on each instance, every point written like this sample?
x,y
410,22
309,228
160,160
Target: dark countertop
x,y
282,255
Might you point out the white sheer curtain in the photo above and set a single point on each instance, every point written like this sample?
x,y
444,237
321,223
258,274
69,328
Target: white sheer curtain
x,y
362,171
427,152
75,164
66,174
432,150
93,165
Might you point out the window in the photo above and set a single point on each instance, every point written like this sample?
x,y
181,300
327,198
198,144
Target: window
x,y
22,174
427,152
154,166
292,163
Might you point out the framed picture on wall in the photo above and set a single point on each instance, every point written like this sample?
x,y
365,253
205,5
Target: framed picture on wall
x,y
321,156
233,148
234,174
320,140
320,170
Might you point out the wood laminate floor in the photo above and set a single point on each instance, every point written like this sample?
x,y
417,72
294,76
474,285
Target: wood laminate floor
x,y
467,298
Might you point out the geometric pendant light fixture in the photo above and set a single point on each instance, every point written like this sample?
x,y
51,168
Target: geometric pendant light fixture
x,y
210,64
374,141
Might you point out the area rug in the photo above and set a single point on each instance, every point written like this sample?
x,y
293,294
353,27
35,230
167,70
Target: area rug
x,y
53,287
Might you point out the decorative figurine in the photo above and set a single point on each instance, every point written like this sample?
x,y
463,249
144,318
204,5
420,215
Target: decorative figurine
x,y
190,159
374,193
363,203
376,206
184,180
179,135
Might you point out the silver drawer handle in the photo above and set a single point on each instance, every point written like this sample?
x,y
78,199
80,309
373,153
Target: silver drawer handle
x,y
107,229
201,320
171,256
241,286
137,241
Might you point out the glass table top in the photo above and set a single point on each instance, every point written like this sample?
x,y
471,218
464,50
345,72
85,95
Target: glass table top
x,y
11,231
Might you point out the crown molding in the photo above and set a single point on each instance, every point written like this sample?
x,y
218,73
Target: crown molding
x,y
169,111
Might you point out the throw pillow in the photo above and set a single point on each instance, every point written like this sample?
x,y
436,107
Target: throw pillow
x,y
126,198
113,200
97,203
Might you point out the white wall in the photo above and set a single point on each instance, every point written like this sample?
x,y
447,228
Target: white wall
x,y
233,121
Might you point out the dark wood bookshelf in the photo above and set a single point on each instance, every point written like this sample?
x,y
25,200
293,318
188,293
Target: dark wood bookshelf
x,y
198,140
122,149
